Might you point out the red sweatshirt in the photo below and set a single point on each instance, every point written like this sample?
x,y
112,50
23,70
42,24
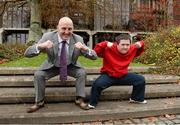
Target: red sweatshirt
x,y
115,63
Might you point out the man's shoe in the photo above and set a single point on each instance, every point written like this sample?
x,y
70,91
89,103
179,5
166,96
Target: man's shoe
x,y
139,102
35,107
80,102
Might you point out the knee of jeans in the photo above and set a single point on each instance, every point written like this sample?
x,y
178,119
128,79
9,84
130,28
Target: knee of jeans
x,y
39,74
81,73
97,84
142,80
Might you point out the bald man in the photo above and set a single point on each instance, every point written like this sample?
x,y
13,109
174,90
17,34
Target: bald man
x,y
51,43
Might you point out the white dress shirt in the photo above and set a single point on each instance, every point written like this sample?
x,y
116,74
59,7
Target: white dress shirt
x,y
60,45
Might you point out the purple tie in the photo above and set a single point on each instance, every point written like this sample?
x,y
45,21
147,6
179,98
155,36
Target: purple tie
x,y
63,62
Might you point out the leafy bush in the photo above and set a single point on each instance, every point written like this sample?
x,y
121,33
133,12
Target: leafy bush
x,y
9,52
163,50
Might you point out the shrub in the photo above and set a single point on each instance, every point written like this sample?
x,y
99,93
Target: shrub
x,y
9,52
163,50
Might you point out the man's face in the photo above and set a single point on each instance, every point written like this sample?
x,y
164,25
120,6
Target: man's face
x,y
65,30
123,46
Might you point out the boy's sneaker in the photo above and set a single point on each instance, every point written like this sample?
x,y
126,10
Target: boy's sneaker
x,y
140,102
91,106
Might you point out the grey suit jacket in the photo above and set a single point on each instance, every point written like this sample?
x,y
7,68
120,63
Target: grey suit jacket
x,y
52,53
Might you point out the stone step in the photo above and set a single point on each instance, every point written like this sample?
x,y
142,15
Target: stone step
x,y
59,113
62,94
30,70
27,80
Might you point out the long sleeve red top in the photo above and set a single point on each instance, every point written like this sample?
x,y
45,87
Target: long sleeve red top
x,y
115,63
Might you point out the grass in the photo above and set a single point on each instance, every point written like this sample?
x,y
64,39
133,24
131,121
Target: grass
x,y
37,61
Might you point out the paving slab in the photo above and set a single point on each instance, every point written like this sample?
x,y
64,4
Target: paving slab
x,y
69,113
31,70
27,80
60,94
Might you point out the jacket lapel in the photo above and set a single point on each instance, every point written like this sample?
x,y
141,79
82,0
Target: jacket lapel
x,y
71,47
56,44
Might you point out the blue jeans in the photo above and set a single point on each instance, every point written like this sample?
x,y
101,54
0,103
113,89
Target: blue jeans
x,y
104,81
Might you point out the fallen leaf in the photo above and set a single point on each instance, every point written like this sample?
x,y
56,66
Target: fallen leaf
x,y
169,102
169,116
178,82
152,119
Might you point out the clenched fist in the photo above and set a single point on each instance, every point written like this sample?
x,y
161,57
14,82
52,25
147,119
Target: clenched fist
x,y
46,45
79,45
138,44
109,44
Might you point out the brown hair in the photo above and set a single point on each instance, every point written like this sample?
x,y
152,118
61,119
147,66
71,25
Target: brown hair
x,y
123,37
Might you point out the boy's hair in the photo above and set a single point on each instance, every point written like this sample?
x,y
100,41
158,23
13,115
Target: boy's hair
x,y
123,37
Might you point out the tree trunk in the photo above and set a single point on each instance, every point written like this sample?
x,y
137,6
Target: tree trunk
x,y
35,31
170,12
1,20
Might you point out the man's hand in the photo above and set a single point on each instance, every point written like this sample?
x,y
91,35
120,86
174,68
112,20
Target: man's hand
x,y
79,45
46,45
138,44
109,44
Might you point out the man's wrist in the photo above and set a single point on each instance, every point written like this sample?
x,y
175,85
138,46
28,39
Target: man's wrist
x,y
37,49
89,52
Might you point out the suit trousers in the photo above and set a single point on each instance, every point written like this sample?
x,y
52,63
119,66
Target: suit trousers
x,y
104,81
41,76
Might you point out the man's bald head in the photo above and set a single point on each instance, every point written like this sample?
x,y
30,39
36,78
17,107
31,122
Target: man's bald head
x,y
65,28
65,20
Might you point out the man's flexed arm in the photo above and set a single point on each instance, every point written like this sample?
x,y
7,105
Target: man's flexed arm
x,y
37,48
87,52
46,45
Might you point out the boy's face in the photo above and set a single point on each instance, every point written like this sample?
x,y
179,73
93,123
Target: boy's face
x,y
123,46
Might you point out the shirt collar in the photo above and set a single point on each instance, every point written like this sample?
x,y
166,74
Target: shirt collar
x,y
60,39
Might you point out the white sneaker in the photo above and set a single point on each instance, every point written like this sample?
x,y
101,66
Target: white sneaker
x,y
91,106
140,102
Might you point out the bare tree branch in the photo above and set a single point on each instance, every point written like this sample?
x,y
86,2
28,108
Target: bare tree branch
x,y
3,7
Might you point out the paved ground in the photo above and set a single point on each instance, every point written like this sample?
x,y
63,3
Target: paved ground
x,y
70,113
158,120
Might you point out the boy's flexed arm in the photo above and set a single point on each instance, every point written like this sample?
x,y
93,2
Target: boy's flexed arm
x,y
100,48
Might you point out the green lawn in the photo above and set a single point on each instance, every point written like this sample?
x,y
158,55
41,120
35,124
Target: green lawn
x,y
36,62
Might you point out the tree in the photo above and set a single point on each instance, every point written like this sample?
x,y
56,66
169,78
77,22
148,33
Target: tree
x,y
80,11
35,31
